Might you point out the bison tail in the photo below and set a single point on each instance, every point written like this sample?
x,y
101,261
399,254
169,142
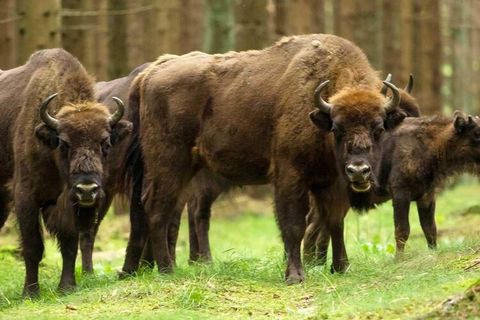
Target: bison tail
x,y
132,166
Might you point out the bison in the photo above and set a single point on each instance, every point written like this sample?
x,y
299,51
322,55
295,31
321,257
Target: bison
x,y
261,116
105,91
417,158
58,144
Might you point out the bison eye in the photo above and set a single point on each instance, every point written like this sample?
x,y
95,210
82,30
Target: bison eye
x,y
64,147
106,144
377,132
337,132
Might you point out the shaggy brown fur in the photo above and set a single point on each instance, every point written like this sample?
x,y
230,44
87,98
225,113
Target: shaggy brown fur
x,y
247,115
417,158
51,164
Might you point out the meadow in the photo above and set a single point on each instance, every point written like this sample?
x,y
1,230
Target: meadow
x,y
246,278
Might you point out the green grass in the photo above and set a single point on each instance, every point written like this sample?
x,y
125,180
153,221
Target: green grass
x,y
246,278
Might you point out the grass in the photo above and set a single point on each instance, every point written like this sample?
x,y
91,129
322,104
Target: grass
x,y
246,278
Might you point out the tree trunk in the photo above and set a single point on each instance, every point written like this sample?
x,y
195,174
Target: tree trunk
x,y
78,32
39,26
251,24
219,33
406,43
101,41
391,41
428,55
305,16
191,33
118,63
280,18
135,41
358,21
8,39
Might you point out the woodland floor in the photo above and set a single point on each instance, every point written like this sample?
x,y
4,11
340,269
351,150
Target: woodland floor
x,y
246,278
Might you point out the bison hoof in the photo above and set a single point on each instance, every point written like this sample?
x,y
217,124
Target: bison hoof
x,y
87,270
203,259
295,277
340,268
122,274
66,287
31,291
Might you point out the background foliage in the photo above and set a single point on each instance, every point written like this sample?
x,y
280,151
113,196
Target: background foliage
x,y
436,40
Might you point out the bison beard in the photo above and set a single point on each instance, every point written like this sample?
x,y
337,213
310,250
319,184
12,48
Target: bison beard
x,y
247,116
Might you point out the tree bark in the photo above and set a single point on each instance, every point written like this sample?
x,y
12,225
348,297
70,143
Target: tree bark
x,y
251,24
118,60
78,33
101,41
39,26
8,36
219,33
428,55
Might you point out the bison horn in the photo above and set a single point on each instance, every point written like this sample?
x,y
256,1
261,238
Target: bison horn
x,y
392,104
114,118
47,118
409,86
321,104
384,89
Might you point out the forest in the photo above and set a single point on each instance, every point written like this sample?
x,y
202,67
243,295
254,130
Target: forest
x,y
435,41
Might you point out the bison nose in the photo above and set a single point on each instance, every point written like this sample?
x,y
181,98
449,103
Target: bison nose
x,y
358,172
89,188
87,193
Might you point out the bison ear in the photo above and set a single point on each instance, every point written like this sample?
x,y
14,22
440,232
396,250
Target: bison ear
x,y
120,130
321,120
460,122
47,135
394,119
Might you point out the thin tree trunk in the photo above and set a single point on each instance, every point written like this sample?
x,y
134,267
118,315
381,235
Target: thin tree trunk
x,y
191,33
101,41
391,40
78,33
305,16
135,35
118,63
428,55
219,33
250,24
8,37
39,26
406,42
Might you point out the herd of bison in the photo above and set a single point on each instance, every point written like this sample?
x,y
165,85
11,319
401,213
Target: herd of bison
x,y
308,115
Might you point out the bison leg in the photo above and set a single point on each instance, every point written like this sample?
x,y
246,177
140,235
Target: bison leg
x,y
401,207
159,220
332,206
87,239
138,231
201,212
339,253
291,201
314,245
173,229
426,213
192,230
147,260
31,239
4,208
86,247
68,247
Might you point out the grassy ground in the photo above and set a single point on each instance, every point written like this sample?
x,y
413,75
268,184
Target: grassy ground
x,y
246,279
